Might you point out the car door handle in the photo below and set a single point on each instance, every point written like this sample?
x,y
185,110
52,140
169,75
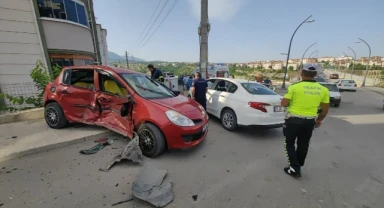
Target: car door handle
x,y
64,92
222,96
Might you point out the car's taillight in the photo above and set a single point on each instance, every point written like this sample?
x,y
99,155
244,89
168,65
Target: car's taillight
x,y
258,106
340,84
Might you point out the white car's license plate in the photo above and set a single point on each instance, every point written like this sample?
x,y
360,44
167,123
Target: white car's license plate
x,y
278,109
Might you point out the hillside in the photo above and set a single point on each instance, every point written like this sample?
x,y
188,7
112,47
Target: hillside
x,y
114,57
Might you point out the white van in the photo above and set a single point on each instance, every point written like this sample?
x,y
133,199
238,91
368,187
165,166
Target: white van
x,y
217,70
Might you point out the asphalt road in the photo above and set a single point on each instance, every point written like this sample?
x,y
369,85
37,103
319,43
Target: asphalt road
x,y
229,169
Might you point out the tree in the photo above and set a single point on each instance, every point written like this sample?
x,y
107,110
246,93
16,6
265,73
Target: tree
x,y
290,68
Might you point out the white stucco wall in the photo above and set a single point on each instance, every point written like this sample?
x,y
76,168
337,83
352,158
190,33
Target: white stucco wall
x,y
20,43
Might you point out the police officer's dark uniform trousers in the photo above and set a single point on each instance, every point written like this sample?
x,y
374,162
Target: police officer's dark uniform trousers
x,y
304,100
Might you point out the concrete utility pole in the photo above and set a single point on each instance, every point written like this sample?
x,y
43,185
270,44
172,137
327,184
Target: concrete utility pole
x,y
204,29
126,58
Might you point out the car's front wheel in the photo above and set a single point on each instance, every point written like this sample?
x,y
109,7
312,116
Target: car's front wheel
x,y
151,140
229,120
54,116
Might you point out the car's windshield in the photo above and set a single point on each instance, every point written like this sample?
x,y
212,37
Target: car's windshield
x,y
257,89
319,79
146,87
331,87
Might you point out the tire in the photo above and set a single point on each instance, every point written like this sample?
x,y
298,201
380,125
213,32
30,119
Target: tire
x,y
54,116
353,90
189,96
337,105
225,118
146,131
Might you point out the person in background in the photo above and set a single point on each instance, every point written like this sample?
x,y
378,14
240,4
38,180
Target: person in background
x,y
267,82
302,100
185,82
199,88
189,82
156,73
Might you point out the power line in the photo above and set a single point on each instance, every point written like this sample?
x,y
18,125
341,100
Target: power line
x,y
165,4
153,14
174,4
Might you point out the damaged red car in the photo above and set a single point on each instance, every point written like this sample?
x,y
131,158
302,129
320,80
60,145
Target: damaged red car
x,y
126,102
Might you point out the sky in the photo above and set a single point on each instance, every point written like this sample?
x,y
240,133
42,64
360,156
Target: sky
x,y
242,30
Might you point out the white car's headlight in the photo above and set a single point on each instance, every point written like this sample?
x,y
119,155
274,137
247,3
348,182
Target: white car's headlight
x,y
178,118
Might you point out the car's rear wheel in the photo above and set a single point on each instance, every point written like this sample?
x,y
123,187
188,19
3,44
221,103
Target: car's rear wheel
x,y
353,90
151,140
229,120
54,116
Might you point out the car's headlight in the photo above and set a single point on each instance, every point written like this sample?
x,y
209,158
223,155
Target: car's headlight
x,y
178,118
337,97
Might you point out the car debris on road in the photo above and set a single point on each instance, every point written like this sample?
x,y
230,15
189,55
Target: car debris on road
x,y
151,187
97,147
131,152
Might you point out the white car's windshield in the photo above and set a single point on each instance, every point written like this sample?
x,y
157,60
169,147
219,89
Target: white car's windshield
x,y
257,89
146,87
331,87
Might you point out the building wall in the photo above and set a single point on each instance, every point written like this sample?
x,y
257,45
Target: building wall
x,y
20,43
105,46
102,41
65,35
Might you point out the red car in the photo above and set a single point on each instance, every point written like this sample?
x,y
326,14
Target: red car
x,y
125,101
334,76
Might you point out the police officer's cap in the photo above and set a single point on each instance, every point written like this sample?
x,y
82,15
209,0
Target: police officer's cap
x,y
311,67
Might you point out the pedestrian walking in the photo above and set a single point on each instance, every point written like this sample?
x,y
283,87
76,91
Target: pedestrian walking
x,y
302,100
156,73
199,88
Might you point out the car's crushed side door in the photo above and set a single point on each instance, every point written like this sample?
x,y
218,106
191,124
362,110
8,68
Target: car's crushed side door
x,y
113,97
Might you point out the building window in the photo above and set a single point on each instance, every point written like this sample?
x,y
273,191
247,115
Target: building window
x,y
70,10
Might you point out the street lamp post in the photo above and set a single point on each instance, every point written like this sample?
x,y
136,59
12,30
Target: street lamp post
x,y
289,49
354,58
301,62
316,51
369,59
345,71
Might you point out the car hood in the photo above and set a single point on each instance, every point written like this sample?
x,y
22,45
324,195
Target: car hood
x,y
183,105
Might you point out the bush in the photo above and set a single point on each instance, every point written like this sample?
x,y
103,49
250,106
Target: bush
x,y
40,78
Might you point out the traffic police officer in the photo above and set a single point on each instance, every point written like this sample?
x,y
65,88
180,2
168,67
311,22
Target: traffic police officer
x,y
156,73
302,100
199,88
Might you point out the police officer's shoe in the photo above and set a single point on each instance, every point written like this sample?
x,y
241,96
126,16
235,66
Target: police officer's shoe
x,y
292,172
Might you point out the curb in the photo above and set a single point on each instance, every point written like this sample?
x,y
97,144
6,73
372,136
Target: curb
x,y
33,114
55,146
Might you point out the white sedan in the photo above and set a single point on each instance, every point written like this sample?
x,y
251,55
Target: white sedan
x,y
346,85
244,103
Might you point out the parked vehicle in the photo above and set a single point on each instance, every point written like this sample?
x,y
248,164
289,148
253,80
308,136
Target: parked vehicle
x,y
168,74
243,103
319,79
346,85
335,96
334,76
125,101
217,70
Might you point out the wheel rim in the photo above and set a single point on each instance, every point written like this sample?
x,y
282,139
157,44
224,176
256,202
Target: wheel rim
x,y
146,140
228,120
52,116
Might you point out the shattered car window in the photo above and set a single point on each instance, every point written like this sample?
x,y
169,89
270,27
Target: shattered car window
x,y
146,87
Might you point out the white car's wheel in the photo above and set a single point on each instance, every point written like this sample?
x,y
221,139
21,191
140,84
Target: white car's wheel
x,y
229,120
